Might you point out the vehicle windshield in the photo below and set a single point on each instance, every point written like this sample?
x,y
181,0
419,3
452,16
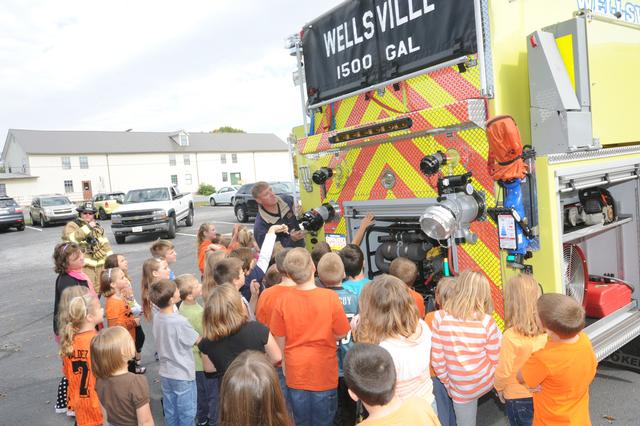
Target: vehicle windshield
x,y
280,187
54,201
146,195
7,203
118,196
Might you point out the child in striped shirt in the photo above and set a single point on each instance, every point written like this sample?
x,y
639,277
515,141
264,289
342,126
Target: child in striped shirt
x,y
523,337
466,345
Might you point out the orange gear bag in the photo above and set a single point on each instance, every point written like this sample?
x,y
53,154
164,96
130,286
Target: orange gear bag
x,y
505,149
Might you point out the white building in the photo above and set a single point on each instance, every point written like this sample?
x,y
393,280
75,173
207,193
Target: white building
x,y
83,163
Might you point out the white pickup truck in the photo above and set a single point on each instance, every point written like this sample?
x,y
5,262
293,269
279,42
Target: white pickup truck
x,y
152,210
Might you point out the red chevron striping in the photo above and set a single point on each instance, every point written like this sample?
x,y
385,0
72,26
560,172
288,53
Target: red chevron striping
x,y
420,101
364,157
466,262
357,112
458,86
488,235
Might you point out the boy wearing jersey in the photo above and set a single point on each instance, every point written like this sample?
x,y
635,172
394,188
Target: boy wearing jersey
x,y
331,273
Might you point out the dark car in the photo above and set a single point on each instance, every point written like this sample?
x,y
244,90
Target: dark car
x,y
10,214
245,206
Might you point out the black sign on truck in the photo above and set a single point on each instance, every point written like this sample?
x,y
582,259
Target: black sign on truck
x,y
366,42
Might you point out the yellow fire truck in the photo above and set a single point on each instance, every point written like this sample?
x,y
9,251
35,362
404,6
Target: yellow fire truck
x,y
397,96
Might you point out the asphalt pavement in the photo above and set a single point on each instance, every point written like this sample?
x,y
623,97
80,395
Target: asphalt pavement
x,y
30,368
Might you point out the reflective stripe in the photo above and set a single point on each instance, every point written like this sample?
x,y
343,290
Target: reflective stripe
x,y
103,240
109,253
85,229
90,262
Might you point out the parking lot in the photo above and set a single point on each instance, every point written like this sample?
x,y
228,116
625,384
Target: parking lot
x,y
30,369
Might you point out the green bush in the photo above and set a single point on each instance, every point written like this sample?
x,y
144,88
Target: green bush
x,y
206,189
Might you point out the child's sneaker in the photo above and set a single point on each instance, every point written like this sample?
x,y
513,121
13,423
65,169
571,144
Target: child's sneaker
x,y
60,410
71,413
204,422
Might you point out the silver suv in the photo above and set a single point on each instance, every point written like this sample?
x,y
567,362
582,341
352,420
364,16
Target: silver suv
x,y
46,209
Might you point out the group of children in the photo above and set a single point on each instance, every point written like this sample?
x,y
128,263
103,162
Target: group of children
x,y
280,336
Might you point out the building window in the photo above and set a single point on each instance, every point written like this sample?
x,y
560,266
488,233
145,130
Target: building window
x,y
84,162
172,159
234,158
68,186
225,176
184,139
187,179
187,160
174,180
3,189
223,158
66,163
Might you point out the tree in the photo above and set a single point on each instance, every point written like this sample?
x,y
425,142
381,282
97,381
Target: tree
x,y
227,129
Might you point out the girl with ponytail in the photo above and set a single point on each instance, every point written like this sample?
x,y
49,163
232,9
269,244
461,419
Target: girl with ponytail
x,y
84,314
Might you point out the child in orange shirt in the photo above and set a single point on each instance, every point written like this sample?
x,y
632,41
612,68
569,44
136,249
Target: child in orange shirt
x,y
307,324
371,378
407,271
207,239
113,284
75,342
446,414
563,370
523,337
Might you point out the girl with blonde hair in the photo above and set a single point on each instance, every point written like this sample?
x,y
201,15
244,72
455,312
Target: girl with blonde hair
x,y
523,337
227,331
208,282
124,395
389,318
466,344
84,314
251,395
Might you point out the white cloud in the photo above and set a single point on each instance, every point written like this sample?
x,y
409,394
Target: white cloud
x,y
150,65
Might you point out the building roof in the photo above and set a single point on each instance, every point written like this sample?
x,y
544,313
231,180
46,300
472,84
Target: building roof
x,y
98,142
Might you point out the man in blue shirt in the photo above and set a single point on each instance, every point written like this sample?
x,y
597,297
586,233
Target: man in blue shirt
x,y
275,210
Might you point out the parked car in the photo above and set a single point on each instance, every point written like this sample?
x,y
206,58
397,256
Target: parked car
x,y
107,203
224,195
245,206
10,214
152,210
46,209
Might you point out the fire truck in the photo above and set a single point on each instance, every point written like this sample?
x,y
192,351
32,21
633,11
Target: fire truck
x,y
407,105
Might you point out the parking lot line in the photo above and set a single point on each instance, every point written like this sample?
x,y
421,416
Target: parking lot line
x,y
186,235
35,229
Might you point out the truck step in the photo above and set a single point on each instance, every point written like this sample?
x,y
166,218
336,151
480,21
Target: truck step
x,y
614,331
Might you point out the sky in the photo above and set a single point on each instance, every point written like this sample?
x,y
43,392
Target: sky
x,y
150,65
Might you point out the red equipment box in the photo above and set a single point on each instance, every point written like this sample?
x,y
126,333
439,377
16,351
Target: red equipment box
x,y
605,296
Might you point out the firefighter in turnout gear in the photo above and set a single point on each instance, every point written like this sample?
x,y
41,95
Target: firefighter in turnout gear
x,y
89,235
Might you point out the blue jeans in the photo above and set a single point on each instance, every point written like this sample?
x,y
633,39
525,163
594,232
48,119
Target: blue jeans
x,y
446,414
179,401
520,411
207,398
313,408
283,385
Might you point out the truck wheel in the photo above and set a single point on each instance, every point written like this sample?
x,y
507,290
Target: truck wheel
x,y
212,202
171,232
20,227
241,214
120,239
42,222
189,220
